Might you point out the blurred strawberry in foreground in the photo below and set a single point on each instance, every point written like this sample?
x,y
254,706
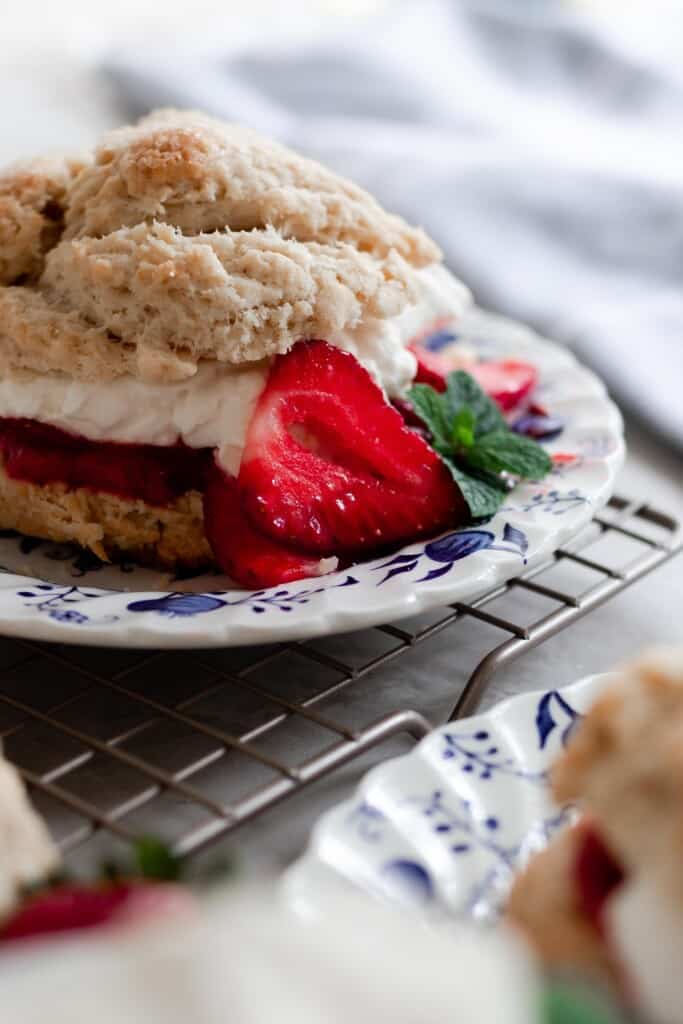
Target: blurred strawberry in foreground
x,y
146,890
77,907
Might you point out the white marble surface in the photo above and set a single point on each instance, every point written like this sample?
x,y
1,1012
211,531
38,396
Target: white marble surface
x,y
51,98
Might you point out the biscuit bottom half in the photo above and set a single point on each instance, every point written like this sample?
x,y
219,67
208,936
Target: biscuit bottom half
x,y
114,528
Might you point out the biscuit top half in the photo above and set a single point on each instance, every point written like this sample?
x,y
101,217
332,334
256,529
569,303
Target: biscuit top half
x,y
183,239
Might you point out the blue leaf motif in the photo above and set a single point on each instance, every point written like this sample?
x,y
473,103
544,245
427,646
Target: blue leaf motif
x,y
397,570
408,879
398,560
350,581
434,574
545,720
459,545
514,536
545,723
177,604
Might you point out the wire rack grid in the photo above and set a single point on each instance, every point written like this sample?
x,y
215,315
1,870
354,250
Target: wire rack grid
x,y
115,744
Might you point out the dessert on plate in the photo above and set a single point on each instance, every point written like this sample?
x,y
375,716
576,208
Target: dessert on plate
x,y
606,898
208,348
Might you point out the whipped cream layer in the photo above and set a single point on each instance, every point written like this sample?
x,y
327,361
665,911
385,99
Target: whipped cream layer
x,y
212,409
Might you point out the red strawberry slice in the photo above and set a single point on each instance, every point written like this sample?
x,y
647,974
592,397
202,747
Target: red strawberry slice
x,y
246,555
66,908
69,908
330,467
432,368
508,382
596,875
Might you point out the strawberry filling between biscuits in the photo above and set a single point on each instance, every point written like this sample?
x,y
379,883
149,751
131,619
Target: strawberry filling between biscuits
x,y
42,454
330,470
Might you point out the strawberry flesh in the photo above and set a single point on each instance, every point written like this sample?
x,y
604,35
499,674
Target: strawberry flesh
x,y
596,875
64,909
246,555
329,466
432,368
507,382
44,454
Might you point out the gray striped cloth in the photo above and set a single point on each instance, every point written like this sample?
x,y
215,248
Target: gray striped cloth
x,y
544,152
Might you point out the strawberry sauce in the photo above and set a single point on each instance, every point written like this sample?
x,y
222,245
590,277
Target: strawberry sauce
x,y
40,454
596,875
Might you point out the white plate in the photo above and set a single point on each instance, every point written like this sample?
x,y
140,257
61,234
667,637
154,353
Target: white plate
x,y
55,592
446,826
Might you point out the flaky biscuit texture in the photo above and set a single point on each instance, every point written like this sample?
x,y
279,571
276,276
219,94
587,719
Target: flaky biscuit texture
x,y
186,239
32,198
169,537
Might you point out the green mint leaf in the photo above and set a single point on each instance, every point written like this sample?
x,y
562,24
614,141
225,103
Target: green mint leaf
x,y
482,498
155,861
577,1005
462,391
470,434
506,452
432,409
462,428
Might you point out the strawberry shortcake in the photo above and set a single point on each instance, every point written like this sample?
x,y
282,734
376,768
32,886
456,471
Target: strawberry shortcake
x,y
606,898
209,346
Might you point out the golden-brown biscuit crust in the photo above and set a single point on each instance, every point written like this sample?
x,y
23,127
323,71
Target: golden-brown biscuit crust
x,y
171,537
200,174
185,238
32,200
236,296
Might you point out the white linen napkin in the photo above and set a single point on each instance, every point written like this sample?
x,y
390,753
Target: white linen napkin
x,y
542,150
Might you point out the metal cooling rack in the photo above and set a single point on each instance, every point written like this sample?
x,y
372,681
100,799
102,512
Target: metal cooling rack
x,y
115,744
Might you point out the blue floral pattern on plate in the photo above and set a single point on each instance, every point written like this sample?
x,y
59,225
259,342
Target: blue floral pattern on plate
x,y
59,592
446,826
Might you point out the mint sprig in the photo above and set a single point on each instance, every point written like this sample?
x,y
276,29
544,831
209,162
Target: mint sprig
x,y
562,1003
470,434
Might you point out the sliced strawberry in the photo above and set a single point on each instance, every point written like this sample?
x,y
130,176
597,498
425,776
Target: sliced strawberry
x,y
246,555
432,368
596,875
508,382
66,908
330,467
69,908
